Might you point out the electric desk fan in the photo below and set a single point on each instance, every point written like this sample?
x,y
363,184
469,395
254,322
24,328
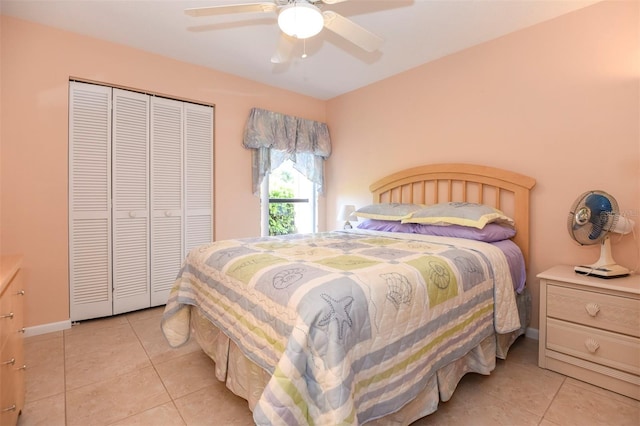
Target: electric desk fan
x,y
592,217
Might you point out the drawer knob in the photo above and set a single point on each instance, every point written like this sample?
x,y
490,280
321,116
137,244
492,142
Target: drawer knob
x,y
591,345
592,309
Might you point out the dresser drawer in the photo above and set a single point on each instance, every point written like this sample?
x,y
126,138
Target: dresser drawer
x,y
598,346
603,311
6,314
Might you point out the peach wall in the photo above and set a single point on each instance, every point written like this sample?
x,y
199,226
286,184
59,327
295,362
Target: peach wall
x,y
37,62
558,101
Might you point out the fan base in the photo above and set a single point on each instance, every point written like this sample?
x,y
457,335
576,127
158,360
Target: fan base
x,y
604,271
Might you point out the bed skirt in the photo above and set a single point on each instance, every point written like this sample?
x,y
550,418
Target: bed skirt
x,y
247,380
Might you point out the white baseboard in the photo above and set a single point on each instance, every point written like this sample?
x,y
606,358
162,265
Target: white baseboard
x,y
47,328
532,333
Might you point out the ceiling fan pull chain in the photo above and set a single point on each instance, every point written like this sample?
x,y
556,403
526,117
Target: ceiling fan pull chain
x,y
304,48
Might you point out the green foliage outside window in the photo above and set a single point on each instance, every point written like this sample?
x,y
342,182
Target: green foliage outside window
x,y
282,220
281,215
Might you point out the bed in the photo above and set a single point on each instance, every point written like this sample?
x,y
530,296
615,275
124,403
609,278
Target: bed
x,y
361,326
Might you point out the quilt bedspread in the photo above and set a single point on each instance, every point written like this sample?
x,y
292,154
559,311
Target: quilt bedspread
x,y
350,325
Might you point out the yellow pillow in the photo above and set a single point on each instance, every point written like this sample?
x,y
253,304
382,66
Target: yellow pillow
x,y
458,213
388,211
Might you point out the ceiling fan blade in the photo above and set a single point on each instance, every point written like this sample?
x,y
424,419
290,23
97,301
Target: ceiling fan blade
x,y
333,1
351,31
231,8
283,50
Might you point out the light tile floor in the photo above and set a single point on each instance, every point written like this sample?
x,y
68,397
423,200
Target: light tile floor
x,y
120,371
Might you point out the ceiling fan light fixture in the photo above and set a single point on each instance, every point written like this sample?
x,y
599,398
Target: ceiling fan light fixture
x,y
300,20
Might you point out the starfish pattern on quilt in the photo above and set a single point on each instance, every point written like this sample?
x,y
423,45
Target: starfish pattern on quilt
x,y
339,311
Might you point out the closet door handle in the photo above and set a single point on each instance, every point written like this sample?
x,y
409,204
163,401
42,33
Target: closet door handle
x,y
168,213
132,214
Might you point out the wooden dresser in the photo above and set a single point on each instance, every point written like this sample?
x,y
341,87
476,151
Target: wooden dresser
x,y
11,340
590,328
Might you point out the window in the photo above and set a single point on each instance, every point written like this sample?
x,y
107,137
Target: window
x,y
287,156
289,202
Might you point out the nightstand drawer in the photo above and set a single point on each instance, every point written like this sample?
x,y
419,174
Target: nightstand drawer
x,y
602,347
593,309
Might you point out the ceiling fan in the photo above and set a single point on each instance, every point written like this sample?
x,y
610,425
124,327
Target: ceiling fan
x,y
299,19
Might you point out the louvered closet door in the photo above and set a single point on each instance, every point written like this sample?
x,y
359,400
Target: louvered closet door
x,y
130,186
89,197
166,196
199,175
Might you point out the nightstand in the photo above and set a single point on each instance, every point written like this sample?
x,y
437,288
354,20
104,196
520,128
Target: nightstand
x,y
590,328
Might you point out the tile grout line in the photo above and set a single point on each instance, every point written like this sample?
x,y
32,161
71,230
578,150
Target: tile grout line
x,y
555,395
153,365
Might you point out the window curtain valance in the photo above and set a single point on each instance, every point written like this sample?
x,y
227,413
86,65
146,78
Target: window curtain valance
x,y
274,138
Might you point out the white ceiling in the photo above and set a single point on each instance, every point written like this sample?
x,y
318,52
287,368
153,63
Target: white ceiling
x,y
415,32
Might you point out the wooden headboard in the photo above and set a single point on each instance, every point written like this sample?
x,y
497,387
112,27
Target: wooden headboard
x,y
440,183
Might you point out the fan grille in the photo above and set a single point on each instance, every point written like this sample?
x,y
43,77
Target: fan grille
x,y
592,216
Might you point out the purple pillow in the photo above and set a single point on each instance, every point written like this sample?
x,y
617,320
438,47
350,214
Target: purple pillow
x,y
491,232
386,225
